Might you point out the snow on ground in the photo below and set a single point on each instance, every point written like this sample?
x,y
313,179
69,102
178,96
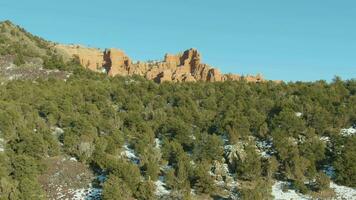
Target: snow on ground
x,y
298,114
2,148
57,131
265,148
73,159
192,137
279,194
161,189
325,139
348,131
130,154
90,193
158,143
343,192
86,194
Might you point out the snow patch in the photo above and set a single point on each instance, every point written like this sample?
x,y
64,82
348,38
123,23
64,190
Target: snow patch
x,y
2,148
158,143
347,132
86,194
58,130
298,114
325,139
130,154
279,194
265,148
73,159
192,137
161,189
343,192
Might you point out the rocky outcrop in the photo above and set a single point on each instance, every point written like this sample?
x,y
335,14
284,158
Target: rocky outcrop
x,y
116,62
90,58
182,67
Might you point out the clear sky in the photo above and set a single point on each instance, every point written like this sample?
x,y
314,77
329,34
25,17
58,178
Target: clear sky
x,y
282,39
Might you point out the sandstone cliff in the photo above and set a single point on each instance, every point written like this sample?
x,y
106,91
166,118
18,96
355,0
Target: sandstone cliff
x,y
183,67
90,58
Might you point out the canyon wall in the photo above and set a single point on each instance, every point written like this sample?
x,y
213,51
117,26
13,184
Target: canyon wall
x,y
182,67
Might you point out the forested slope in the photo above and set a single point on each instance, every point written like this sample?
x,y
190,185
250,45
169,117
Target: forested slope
x,y
194,124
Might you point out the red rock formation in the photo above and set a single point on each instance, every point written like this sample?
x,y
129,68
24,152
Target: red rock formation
x,y
116,62
90,58
183,67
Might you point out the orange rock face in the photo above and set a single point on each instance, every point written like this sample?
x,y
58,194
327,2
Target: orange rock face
x,y
90,58
182,67
116,62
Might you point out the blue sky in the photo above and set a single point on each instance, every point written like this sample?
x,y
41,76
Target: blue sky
x,y
289,40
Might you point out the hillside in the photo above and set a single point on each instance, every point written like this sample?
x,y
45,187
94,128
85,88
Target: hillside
x,y
25,56
71,133
182,67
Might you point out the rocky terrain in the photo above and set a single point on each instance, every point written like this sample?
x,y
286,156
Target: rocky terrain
x,y
182,67
186,66
32,69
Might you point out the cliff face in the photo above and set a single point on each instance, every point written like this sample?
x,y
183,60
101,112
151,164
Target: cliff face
x,y
183,67
90,58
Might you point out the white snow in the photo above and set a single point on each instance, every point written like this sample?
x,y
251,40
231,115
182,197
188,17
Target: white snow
x,y
58,130
277,192
192,137
87,194
130,154
325,139
90,193
73,159
265,148
2,149
348,131
298,114
161,189
343,192
158,143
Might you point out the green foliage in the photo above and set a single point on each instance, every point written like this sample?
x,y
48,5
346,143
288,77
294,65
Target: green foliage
x,y
30,189
97,115
54,62
345,162
250,167
115,189
208,148
259,189
145,191
204,181
322,182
